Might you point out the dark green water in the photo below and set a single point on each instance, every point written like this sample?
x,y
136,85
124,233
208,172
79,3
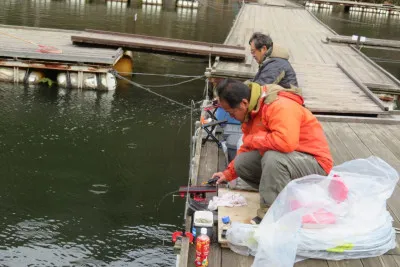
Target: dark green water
x,y
82,171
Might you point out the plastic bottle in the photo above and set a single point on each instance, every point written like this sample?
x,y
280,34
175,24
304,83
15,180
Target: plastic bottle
x,y
202,248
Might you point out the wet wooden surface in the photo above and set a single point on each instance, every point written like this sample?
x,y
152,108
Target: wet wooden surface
x,y
24,43
326,87
347,140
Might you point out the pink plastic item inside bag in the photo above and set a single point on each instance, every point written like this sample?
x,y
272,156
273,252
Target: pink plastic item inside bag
x,y
338,191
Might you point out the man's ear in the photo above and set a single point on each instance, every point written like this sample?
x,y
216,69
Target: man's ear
x,y
245,103
264,49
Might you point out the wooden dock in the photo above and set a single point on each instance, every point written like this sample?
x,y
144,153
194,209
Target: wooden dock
x,y
14,45
369,42
357,4
158,44
349,138
325,71
335,80
29,54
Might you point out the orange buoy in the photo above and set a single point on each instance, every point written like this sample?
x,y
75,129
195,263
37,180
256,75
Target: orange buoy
x,y
124,65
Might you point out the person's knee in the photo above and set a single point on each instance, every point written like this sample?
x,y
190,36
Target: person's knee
x,y
274,175
247,164
271,160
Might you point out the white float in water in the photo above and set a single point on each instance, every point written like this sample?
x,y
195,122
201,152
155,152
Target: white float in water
x,y
94,81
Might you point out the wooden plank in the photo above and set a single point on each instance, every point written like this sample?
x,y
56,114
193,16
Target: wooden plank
x,y
238,214
386,137
162,39
397,260
363,87
374,144
184,253
232,259
394,130
312,263
158,44
333,118
215,256
14,44
339,151
354,145
368,41
221,160
389,88
64,57
208,162
195,162
384,261
345,263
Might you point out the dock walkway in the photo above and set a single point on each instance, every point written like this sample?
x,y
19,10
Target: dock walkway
x,y
349,138
326,72
335,80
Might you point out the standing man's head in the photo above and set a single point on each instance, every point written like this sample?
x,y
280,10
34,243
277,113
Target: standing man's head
x,y
234,98
260,45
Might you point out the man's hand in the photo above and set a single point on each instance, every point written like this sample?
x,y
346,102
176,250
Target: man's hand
x,y
221,177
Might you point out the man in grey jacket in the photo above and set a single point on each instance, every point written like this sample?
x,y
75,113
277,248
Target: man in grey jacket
x,y
274,67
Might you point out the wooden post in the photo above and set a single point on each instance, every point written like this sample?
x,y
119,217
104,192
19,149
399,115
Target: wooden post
x,y
358,42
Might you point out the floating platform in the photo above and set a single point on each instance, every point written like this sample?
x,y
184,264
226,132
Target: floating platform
x,y
368,42
159,44
364,6
25,48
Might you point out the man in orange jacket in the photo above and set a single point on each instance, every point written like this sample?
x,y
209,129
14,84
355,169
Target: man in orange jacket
x,y
282,140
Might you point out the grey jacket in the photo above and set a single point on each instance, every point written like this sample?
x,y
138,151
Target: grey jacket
x,y
276,69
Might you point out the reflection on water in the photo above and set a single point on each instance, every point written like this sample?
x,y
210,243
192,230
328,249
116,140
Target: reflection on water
x,y
116,8
151,13
40,242
95,165
187,14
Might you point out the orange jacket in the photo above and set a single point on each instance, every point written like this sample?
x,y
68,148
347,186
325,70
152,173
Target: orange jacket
x,y
286,126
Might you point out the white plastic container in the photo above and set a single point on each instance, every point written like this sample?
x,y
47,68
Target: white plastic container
x,y
203,219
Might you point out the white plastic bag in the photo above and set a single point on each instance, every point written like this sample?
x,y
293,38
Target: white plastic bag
x,y
341,216
242,238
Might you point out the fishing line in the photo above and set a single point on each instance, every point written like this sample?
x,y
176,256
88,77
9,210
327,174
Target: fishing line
x,y
174,84
161,75
115,73
162,199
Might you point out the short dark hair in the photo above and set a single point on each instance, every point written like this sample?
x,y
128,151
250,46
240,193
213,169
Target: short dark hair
x,y
260,40
233,92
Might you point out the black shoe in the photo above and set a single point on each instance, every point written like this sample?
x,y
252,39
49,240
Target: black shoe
x,y
256,220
